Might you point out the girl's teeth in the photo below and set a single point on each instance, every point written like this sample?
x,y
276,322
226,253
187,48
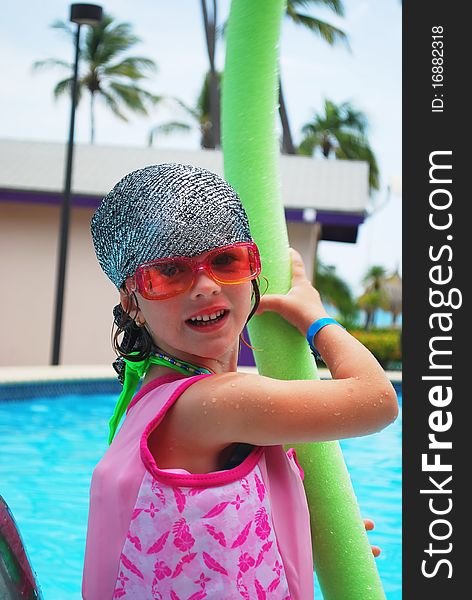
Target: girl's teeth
x,y
208,317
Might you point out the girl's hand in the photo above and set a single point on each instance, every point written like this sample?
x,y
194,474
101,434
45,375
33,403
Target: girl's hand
x,y
301,305
369,525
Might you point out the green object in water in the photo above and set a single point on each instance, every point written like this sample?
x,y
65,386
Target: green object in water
x,y
342,554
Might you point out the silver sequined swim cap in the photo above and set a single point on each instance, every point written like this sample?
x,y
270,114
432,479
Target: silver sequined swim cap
x,y
165,210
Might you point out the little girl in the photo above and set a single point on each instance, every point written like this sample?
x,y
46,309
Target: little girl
x,y
196,497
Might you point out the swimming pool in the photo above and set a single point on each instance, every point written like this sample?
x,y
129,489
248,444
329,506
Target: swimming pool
x,y
49,447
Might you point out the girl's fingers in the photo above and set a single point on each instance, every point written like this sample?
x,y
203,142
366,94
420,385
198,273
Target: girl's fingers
x,y
269,302
369,524
376,551
298,268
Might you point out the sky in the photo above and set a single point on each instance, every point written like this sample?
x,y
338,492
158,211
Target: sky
x,y
369,76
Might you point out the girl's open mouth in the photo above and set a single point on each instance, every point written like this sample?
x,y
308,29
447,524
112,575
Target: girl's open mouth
x,y
209,325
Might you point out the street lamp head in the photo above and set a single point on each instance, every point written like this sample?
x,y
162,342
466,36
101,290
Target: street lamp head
x,y
86,14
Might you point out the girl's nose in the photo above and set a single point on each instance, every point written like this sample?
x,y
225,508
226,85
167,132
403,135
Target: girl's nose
x,y
204,283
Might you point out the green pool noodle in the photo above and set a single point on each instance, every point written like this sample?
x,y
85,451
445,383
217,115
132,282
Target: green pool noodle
x,y
342,554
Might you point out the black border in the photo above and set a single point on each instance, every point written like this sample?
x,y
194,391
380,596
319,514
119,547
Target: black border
x,y
424,132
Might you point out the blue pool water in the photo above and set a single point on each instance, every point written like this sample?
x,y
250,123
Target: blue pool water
x,y
49,447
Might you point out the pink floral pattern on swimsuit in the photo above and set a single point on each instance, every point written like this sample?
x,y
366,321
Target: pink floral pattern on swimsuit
x,y
195,543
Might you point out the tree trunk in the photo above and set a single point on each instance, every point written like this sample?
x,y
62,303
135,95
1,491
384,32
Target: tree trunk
x,y
210,36
287,142
326,147
215,108
92,118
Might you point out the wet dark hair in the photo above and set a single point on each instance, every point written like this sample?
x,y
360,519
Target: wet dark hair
x,y
137,339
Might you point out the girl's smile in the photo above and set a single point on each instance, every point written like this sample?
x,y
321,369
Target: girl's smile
x,y
212,319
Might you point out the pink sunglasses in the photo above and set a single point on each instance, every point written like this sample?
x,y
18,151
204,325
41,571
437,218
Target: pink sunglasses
x,y
166,277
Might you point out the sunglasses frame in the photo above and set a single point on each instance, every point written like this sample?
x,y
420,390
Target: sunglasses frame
x,y
135,282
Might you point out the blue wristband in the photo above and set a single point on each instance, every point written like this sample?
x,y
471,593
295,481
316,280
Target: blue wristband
x,y
313,330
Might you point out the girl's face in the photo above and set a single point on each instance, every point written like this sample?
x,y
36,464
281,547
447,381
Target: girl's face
x,y
170,321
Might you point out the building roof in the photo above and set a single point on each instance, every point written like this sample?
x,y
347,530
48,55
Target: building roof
x,y
333,192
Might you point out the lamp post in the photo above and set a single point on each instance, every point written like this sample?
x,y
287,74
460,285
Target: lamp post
x,y
82,14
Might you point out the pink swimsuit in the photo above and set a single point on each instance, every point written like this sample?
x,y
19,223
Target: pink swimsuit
x,y
153,533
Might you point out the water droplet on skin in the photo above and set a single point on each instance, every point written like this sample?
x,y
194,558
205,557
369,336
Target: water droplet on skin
x,y
205,412
213,400
266,409
324,404
375,403
272,412
233,385
291,410
336,414
381,401
204,403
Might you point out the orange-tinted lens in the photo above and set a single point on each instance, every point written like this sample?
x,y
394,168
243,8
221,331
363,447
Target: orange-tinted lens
x,y
164,279
234,264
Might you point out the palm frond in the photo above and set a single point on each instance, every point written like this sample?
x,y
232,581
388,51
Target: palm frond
x,y
355,147
131,68
65,28
335,291
64,87
113,104
132,96
51,62
329,33
335,6
349,145
193,112
171,127
313,127
353,118
166,129
203,102
106,41
309,143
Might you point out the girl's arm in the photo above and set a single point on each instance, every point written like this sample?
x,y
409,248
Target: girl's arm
x,y
259,410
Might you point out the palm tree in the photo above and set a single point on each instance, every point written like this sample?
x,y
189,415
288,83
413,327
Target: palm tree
x,y
374,296
341,130
200,115
392,287
335,291
328,33
107,74
374,277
